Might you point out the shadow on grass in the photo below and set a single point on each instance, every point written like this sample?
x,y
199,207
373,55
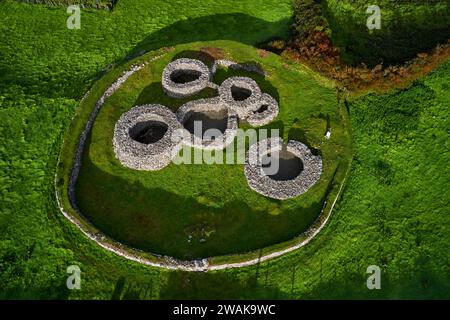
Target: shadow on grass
x,y
154,93
235,26
299,134
197,285
206,56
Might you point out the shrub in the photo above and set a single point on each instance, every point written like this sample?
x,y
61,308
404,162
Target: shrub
x,y
307,16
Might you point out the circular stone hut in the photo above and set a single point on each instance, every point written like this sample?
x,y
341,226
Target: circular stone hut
x,y
281,171
211,125
185,77
143,137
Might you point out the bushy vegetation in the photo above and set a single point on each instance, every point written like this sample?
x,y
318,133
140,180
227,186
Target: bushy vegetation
x,y
308,16
393,213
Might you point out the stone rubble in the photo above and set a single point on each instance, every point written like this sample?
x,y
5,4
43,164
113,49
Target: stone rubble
x,y
248,67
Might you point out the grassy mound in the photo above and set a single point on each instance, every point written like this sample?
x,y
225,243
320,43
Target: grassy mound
x,y
97,4
192,211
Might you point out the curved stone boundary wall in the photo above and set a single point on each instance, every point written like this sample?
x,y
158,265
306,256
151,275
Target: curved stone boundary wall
x,y
310,234
129,253
84,225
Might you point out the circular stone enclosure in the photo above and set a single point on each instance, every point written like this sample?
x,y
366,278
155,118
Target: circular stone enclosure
x,y
242,94
210,124
185,77
264,112
281,171
143,137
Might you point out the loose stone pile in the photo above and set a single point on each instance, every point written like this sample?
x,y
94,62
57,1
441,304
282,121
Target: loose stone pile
x,y
148,137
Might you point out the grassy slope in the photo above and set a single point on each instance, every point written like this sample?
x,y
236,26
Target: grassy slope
x,y
100,4
44,69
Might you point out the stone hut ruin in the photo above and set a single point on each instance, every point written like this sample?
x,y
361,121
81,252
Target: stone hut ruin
x,y
241,94
211,125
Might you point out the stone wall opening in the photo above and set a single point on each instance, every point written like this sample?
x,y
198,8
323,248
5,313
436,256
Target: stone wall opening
x,y
262,109
148,132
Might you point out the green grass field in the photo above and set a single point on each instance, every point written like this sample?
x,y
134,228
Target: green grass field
x,y
393,212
